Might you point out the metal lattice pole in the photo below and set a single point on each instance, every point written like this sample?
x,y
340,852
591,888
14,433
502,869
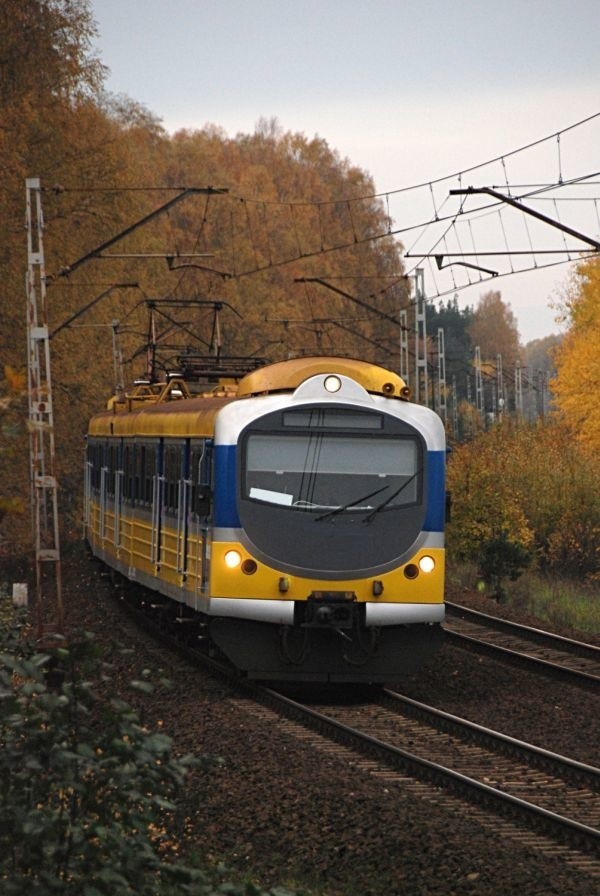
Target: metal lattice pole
x,y
454,409
479,399
518,390
441,383
404,368
500,386
49,607
421,391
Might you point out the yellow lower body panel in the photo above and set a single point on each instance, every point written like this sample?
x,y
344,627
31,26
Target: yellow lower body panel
x,y
405,584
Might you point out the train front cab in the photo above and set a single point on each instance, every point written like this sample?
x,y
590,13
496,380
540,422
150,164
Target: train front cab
x,y
328,529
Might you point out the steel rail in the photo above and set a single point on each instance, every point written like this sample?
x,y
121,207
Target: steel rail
x,y
567,831
512,746
558,826
537,636
580,647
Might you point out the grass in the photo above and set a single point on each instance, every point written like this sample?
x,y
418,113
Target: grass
x,y
562,602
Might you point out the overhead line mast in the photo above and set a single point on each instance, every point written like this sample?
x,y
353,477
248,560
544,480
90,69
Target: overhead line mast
x,y
44,504
43,481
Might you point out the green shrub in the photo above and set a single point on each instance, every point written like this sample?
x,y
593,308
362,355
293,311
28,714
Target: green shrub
x,y
86,792
501,558
88,795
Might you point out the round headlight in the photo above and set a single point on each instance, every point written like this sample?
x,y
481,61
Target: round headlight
x,y
426,564
332,383
232,559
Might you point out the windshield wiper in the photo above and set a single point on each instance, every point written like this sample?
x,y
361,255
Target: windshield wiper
x,y
350,504
388,500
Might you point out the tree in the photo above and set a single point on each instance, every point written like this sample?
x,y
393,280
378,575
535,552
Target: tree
x,y
13,503
489,524
539,354
458,346
494,329
575,387
294,209
522,492
86,796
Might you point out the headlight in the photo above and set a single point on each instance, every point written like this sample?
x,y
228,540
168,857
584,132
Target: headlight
x,y
332,383
426,564
232,559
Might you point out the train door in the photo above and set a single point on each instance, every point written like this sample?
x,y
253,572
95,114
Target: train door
x,y
183,504
141,488
93,513
173,499
199,516
117,466
108,494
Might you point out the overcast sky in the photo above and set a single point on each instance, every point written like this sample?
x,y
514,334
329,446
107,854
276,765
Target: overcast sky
x,y
407,91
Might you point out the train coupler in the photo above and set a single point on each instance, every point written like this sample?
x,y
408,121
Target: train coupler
x,y
330,609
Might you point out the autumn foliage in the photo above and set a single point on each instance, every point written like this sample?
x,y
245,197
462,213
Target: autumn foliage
x,y
577,381
536,488
293,213
291,209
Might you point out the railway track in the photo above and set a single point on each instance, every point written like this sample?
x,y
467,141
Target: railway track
x,y
543,651
546,800
541,799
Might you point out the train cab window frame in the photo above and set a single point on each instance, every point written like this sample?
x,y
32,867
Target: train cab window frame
x,y
369,520
332,461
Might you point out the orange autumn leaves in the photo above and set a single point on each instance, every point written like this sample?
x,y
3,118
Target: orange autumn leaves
x,y
577,383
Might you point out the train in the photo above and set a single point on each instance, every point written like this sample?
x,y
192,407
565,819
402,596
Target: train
x,y
292,517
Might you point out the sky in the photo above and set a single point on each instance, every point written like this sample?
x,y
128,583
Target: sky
x,y
409,92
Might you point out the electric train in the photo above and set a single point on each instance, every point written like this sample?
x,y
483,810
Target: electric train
x,y
291,519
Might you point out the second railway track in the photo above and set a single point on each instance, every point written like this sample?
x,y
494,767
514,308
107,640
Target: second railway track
x,y
546,794
549,653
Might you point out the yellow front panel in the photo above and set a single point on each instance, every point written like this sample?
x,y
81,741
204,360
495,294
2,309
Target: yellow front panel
x,y
264,583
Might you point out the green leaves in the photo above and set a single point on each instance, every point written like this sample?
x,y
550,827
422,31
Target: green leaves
x,y
88,795
84,803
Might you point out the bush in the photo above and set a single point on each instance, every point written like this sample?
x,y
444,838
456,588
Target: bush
x,y
535,488
501,558
87,793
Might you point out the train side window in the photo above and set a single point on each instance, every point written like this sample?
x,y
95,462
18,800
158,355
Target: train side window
x,y
111,463
138,466
144,470
173,472
128,477
95,457
148,470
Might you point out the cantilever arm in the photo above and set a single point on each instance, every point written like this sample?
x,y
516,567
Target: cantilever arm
x,y
528,211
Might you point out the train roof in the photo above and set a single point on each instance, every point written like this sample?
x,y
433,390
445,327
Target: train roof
x,y
285,376
178,408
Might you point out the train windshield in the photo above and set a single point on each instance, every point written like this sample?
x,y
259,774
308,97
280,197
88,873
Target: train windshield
x,y
332,473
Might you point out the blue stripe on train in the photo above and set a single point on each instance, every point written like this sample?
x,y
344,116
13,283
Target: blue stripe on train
x,y
436,492
225,505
